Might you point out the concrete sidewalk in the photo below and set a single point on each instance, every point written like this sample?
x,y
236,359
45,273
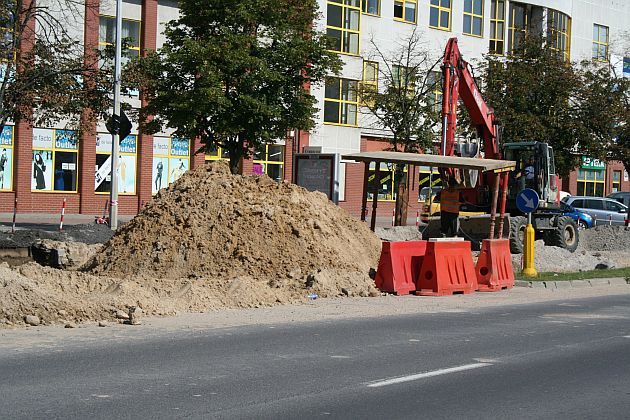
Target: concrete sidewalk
x,y
48,221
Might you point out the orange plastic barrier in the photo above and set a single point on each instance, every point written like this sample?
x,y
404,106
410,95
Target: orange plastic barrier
x,y
399,266
494,266
447,268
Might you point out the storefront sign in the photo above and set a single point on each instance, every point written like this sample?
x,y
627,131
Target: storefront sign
x,y
591,163
43,138
66,139
6,136
160,146
180,147
104,144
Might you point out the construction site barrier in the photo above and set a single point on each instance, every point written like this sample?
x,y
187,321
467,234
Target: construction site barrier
x,y
399,266
447,268
494,266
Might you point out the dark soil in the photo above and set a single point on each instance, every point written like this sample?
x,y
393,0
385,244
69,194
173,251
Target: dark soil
x,y
85,233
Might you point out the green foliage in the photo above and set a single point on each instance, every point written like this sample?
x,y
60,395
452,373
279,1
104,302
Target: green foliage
x,y
577,109
233,73
531,91
55,77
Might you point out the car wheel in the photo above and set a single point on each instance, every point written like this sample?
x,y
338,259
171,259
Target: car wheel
x,y
581,224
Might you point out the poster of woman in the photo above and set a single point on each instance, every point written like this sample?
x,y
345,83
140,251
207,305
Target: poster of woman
x,y
42,171
160,174
6,168
177,168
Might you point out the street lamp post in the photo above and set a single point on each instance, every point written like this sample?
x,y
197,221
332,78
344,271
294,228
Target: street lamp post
x,y
113,207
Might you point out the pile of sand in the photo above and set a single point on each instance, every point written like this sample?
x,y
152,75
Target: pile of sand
x,y
212,240
215,225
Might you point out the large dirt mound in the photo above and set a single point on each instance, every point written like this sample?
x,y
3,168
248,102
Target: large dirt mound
x,y
212,224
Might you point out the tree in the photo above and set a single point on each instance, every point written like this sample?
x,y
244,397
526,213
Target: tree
x,y
604,108
534,93
235,73
54,77
404,105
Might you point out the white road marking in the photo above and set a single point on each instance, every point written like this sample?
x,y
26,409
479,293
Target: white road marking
x,y
626,336
427,374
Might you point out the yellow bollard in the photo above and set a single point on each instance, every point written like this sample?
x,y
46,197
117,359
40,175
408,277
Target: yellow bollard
x,y
529,269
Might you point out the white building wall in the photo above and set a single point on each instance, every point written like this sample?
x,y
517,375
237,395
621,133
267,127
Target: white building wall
x,y
386,31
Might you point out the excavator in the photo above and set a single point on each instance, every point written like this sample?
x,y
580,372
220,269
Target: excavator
x,y
535,167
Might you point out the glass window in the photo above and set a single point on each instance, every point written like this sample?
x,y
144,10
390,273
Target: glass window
x,y
590,182
559,32
6,158
171,158
519,22
497,27
269,160
127,165
616,181
340,101
405,10
440,14
343,25
600,42
434,81
612,206
130,34
55,160
473,17
369,84
595,204
8,50
372,7
385,183
578,203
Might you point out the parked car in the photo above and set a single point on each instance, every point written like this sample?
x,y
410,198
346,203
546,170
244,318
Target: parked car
x,y
622,196
604,211
582,219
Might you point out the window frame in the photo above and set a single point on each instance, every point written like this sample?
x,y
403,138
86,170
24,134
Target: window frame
x,y
10,147
615,184
342,101
54,150
555,33
104,43
121,153
473,16
584,180
441,9
496,21
403,19
344,6
599,44
388,175
364,9
512,30
266,162
373,84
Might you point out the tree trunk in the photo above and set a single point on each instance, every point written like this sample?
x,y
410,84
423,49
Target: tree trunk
x,y
235,163
402,197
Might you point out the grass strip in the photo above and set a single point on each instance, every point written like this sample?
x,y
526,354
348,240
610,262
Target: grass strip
x,y
580,275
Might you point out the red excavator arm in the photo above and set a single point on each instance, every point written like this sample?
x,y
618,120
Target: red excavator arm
x,y
458,81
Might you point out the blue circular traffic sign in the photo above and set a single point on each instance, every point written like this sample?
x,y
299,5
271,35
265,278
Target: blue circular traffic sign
x,y
527,200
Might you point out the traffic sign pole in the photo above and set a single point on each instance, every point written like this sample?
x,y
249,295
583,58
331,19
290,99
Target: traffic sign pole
x,y
113,200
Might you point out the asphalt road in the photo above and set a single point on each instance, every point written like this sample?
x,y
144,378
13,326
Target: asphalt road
x,y
558,360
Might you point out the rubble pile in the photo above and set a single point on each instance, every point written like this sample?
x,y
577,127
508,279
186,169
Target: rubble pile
x,y
214,225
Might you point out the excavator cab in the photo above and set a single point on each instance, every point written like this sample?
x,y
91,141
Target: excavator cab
x,y
535,169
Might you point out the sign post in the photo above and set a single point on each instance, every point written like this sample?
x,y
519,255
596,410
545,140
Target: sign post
x,y
527,201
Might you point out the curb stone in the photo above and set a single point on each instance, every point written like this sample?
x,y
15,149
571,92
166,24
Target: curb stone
x,y
614,281
580,283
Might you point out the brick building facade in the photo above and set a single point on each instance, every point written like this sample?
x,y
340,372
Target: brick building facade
x,y
73,173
